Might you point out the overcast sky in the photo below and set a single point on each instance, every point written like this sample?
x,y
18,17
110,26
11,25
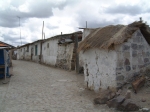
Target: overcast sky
x,y
64,16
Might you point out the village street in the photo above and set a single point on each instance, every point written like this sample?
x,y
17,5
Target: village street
x,y
38,88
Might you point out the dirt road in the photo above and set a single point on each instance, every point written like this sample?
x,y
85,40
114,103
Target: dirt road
x,y
38,88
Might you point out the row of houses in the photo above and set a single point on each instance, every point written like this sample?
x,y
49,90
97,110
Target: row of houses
x,y
110,56
58,51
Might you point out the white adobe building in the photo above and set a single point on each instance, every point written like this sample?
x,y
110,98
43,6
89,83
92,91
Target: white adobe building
x,y
112,55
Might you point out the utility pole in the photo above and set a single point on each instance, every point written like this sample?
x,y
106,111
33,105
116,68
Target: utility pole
x,y
77,55
43,37
42,31
20,29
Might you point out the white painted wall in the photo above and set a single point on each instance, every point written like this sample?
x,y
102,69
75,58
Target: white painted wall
x,y
36,57
21,53
99,68
50,54
18,54
28,53
86,32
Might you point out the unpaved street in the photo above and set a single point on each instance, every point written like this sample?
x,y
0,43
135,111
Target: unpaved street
x,y
38,88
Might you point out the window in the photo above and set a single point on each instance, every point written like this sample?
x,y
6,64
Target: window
x,y
36,50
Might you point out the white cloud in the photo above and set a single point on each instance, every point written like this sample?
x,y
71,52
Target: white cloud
x,y
65,16
24,7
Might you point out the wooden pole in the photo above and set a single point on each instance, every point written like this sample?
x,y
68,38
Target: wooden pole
x,y
77,55
40,58
42,30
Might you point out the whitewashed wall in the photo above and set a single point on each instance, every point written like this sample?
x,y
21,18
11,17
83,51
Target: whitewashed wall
x,y
99,68
49,55
18,54
36,57
86,32
28,53
21,53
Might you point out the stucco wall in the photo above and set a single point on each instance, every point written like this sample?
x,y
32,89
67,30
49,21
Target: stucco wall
x,y
18,54
133,56
99,68
86,32
21,53
64,56
35,57
49,55
28,53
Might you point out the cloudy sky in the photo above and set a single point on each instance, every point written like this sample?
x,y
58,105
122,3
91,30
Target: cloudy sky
x,y
64,16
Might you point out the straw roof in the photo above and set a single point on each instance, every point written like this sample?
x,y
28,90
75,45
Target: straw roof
x,y
109,36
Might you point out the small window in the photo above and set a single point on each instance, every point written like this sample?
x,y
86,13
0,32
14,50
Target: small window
x,y
47,45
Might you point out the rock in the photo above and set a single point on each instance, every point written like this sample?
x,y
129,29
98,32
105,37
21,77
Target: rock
x,y
81,89
104,97
118,92
129,87
138,83
143,100
128,94
100,100
111,95
115,102
145,110
128,105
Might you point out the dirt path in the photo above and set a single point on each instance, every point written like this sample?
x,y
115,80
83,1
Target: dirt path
x,y
38,88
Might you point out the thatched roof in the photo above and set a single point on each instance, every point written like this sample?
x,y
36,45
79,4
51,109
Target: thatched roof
x,y
109,36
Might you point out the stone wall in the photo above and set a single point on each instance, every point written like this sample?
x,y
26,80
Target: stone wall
x,y
64,56
133,56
